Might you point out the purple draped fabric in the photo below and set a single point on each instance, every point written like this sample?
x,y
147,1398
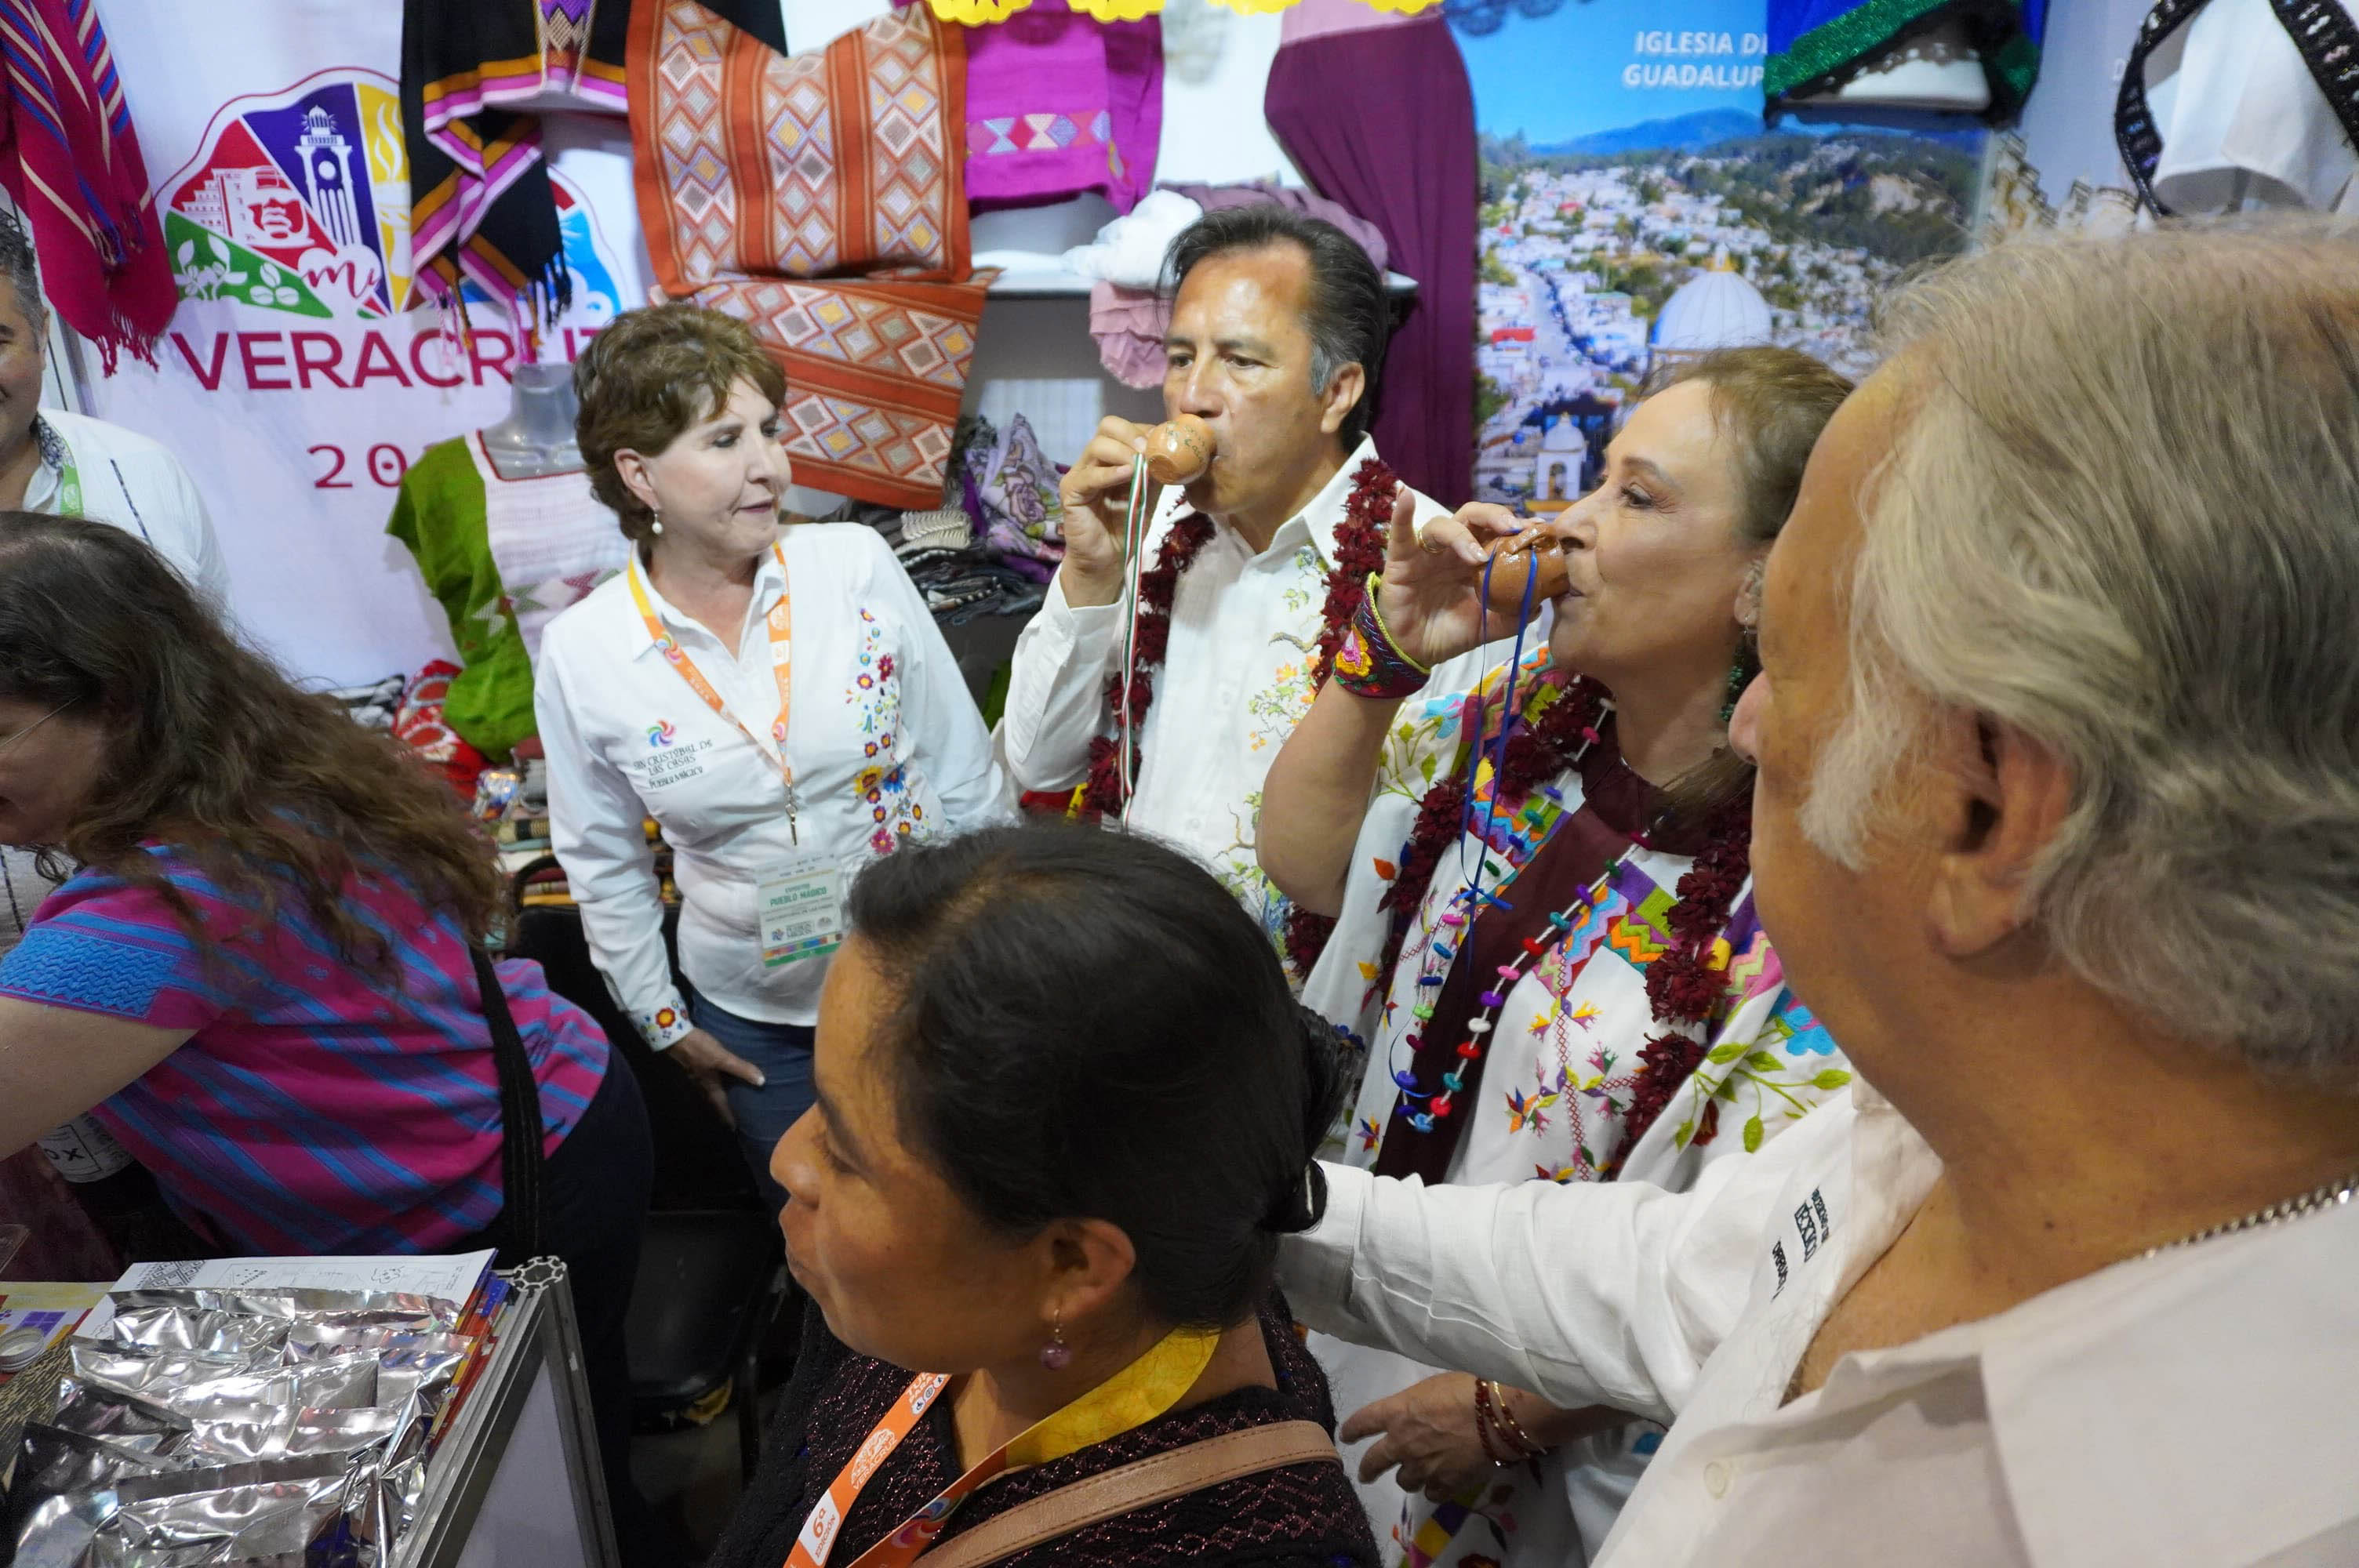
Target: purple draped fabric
x,y
1381,119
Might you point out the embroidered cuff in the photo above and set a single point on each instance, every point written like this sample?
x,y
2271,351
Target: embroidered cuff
x,y
1370,664
664,1026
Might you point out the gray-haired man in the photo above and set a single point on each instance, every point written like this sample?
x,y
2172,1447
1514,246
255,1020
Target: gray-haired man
x,y
2057,828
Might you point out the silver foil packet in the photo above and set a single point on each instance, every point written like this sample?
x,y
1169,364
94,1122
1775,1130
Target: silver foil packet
x,y
149,1371
420,1369
291,1303
315,1339
54,1461
175,1327
100,1410
231,1436
346,1383
282,1514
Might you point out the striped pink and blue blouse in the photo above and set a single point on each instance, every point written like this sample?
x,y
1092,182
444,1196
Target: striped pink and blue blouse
x,y
316,1107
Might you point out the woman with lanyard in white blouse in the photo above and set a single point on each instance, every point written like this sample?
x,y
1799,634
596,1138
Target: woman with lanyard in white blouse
x,y
777,699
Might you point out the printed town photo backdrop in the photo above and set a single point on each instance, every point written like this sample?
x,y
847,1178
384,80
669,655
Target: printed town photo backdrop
x,y
1636,206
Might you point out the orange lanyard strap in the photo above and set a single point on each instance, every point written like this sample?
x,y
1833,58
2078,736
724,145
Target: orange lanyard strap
x,y
780,622
1132,1396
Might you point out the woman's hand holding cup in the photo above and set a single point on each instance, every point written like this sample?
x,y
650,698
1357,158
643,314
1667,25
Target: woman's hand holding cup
x,y
1430,595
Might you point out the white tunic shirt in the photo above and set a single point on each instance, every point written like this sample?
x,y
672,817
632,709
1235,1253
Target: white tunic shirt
x,y
137,485
2243,122
2200,1408
1235,679
884,737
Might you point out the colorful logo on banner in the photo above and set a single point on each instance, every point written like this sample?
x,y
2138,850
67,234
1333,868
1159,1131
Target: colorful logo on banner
x,y
298,202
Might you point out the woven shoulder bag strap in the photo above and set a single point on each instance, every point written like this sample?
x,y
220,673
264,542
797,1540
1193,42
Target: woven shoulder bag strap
x,y
521,1158
1140,1484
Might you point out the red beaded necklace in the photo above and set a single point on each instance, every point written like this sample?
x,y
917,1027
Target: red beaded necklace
x,y
1359,551
1680,985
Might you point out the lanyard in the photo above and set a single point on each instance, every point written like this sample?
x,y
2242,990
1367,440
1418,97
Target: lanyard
x,y
1132,1396
69,490
781,621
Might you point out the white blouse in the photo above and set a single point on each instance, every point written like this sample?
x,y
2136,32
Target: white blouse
x,y
884,737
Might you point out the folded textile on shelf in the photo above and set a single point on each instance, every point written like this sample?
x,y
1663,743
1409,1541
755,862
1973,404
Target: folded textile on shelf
x,y
1129,324
759,174
419,726
1310,203
1059,104
1129,250
372,706
1009,487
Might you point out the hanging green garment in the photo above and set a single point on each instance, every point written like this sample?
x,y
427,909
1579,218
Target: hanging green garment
x,y
439,516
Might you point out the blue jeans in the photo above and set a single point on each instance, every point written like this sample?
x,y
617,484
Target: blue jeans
x,y
782,1051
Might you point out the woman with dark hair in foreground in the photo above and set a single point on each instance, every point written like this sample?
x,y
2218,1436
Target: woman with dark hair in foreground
x,y
1066,1106
266,977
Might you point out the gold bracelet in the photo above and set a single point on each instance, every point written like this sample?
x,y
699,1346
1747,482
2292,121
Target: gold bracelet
x,y
1485,1424
1510,1425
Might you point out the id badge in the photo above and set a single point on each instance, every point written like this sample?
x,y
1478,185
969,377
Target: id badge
x,y
799,909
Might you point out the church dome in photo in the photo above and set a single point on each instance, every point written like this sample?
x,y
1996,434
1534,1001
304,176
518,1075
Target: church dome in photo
x,y
1714,309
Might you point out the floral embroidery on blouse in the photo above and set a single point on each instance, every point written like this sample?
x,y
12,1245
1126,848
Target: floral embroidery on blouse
x,y
894,809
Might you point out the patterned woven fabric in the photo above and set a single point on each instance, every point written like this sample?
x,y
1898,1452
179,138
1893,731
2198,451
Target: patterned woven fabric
x,y
769,184
874,375
1302,1516
756,164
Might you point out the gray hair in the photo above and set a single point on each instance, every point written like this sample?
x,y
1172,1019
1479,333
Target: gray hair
x,y
19,269
2123,519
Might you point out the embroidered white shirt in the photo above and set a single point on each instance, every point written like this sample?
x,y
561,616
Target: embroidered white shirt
x,y
137,485
884,737
1235,679
2200,1408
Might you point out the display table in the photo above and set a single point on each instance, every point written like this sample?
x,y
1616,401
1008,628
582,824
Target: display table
x,y
513,1477
516,1479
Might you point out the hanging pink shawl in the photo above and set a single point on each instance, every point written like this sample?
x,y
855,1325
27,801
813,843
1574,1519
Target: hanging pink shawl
x,y
70,160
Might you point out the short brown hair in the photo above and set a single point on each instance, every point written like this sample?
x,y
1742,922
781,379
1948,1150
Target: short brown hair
x,y
649,376
1772,403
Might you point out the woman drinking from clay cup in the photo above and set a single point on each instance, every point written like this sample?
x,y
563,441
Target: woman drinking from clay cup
x,y
1573,984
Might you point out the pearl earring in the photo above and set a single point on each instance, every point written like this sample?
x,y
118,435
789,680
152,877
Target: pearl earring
x,y
654,524
1056,1354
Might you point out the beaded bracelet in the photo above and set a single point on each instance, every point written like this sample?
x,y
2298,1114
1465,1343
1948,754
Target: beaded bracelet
x,y
1370,664
1486,1427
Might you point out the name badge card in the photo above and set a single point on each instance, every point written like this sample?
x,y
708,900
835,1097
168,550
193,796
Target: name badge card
x,y
799,909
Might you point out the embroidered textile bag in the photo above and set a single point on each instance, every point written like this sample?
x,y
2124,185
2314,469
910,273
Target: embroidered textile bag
x,y
820,198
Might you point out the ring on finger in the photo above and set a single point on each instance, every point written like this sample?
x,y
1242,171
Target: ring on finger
x,y
1429,545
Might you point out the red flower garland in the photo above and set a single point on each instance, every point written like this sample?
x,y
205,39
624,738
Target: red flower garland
x,y
1359,551
1681,984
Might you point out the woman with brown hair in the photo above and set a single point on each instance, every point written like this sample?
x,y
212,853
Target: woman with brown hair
x,y
1573,984
266,977
776,699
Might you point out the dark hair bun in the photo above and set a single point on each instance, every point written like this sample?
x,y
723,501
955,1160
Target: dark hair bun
x,y
1299,1203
